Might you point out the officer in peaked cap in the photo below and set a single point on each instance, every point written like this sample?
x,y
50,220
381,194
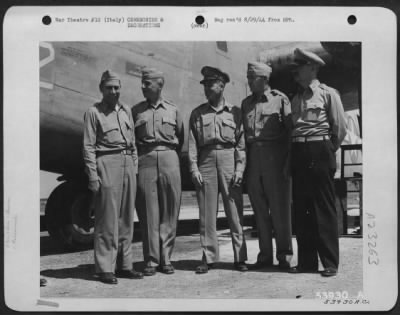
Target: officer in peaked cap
x,y
211,74
159,137
319,129
268,124
217,161
303,57
108,143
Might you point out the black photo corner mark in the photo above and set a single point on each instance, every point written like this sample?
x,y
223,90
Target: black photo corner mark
x,y
46,20
199,19
352,19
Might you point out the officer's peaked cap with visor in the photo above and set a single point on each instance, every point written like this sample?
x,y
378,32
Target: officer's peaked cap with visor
x,y
304,57
211,73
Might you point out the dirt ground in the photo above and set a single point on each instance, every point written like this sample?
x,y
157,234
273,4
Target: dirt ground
x,y
71,274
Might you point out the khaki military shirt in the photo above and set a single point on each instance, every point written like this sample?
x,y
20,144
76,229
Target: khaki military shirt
x,y
158,125
208,127
318,111
266,118
106,130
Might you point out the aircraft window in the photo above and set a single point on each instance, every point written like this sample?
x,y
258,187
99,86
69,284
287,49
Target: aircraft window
x,y
222,46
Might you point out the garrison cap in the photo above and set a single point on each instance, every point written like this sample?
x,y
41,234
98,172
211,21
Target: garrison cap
x,y
303,57
151,73
259,69
109,77
211,73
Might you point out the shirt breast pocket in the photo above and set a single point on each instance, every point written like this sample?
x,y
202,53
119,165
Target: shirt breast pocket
x,y
111,133
207,129
228,128
265,116
141,129
312,111
168,127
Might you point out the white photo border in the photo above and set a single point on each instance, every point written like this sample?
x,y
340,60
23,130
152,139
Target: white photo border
x,y
23,31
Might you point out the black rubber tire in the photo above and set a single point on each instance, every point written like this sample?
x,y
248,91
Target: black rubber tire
x,y
82,218
59,218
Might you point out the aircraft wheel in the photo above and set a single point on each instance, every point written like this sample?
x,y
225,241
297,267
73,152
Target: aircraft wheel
x,y
82,215
68,217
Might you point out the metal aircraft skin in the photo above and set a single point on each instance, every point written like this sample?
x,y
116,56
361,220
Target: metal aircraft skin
x,y
69,85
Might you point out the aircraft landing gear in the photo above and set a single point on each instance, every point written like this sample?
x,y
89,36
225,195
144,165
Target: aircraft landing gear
x,y
70,216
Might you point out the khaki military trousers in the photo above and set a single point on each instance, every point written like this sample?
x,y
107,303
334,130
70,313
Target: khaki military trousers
x,y
158,202
114,206
217,168
269,194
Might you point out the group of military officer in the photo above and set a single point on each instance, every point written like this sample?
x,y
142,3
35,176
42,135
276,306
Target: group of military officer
x,y
268,140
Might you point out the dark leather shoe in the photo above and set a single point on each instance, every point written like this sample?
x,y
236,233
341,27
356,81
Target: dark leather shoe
x,y
203,268
329,272
129,274
298,269
283,265
260,265
108,277
149,271
167,269
241,266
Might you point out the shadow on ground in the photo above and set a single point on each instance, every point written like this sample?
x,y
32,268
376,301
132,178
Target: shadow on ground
x,y
87,272
83,272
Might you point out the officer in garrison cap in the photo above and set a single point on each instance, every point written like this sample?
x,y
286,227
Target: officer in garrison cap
x,y
217,161
110,158
268,124
159,135
319,129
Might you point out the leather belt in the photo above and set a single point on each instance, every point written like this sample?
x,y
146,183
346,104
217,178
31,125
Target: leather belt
x,y
123,152
218,146
310,138
127,152
261,144
149,148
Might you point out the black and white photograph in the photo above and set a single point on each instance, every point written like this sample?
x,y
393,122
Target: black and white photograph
x,y
197,172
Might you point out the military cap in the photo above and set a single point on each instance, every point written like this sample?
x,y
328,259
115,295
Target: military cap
x,y
211,73
259,68
151,73
304,57
109,77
